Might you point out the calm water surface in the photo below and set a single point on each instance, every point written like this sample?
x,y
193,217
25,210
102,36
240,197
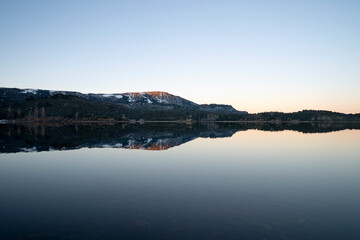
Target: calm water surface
x,y
253,185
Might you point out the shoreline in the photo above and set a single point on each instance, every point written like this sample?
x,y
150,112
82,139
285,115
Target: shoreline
x,y
5,121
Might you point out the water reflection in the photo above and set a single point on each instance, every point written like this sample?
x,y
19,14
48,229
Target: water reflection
x,y
160,136
253,185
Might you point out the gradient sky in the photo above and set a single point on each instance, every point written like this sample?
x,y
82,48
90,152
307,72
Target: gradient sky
x,y
255,55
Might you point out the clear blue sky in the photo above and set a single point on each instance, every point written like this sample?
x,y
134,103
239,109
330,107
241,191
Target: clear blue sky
x,y
256,55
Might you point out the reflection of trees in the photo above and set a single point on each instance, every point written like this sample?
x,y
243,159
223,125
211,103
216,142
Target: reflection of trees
x,y
15,138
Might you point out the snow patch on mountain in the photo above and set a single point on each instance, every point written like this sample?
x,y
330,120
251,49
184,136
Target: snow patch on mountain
x,y
32,91
119,96
33,149
161,100
52,92
131,97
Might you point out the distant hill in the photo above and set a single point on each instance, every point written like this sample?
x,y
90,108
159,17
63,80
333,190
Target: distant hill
x,y
302,116
134,100
21,103
24,105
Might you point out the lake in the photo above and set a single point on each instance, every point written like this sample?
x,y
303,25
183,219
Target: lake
x,y
169,181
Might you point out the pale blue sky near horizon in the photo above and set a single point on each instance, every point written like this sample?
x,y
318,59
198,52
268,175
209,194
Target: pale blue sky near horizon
x,y
259,55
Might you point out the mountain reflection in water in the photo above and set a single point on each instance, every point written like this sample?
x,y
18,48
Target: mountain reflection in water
x,y
154,136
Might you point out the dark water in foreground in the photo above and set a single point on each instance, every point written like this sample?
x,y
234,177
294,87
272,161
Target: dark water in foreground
x,y
206,182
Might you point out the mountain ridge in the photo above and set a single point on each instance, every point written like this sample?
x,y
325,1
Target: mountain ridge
x,y
139,100
27,105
